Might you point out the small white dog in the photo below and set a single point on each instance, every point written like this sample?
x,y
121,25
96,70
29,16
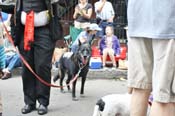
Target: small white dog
x,y
113,105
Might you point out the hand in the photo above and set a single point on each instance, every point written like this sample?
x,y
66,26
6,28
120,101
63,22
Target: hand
x,y
83,11
77,10
103,1
110,20
82,40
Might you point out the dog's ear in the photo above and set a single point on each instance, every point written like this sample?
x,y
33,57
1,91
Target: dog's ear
x,y
101,104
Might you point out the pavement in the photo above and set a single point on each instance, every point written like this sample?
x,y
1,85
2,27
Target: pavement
x,y
99,83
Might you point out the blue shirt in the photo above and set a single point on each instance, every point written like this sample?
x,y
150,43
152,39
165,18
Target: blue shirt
x,y
84,35
151,19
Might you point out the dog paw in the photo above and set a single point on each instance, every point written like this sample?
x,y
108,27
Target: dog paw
x,y
74,99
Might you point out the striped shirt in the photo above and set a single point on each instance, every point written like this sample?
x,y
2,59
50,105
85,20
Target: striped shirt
x,y
107,11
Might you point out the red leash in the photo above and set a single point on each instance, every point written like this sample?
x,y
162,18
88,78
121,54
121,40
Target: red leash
x,y
29,67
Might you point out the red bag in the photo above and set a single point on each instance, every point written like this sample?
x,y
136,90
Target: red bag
x,y
29,31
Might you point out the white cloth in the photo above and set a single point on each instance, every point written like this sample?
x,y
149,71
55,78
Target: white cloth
x,y
40,19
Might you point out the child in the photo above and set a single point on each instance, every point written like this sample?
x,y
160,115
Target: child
x,y
109,45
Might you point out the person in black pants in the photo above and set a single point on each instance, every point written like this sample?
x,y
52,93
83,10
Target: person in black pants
x,y
38,55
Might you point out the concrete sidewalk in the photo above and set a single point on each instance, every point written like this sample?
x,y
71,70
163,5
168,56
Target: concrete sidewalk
x,y
60,104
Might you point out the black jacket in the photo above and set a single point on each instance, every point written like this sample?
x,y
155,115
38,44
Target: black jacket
x,y
18,26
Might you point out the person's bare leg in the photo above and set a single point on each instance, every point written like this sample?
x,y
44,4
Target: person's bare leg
x,y
162,109
139,102
112,57
105,53
130,89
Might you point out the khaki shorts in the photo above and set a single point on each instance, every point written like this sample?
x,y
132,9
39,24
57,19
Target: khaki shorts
x,y
151,65
81,25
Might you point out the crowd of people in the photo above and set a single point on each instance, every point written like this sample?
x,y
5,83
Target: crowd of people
x,y
104,19
9,57
153,47
43,45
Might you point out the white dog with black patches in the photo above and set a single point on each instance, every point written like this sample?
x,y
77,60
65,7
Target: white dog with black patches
x,y
113,105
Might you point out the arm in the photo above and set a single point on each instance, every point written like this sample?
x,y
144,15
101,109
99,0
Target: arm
x,y
87,14
82,39
100,6
116,45
83,12
111,19
102,44
76,12
113,14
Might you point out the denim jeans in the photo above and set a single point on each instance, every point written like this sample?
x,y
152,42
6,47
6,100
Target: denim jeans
x,y
13,61
103,25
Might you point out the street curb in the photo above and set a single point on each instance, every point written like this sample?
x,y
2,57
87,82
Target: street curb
x,y
92,74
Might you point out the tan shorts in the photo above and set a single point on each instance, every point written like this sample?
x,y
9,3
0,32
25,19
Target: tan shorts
x,y
151,65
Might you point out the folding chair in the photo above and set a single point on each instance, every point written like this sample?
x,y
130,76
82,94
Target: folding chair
x,y
73,33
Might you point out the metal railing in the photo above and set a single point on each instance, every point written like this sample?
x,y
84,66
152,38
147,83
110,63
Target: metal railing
x,y
120,20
